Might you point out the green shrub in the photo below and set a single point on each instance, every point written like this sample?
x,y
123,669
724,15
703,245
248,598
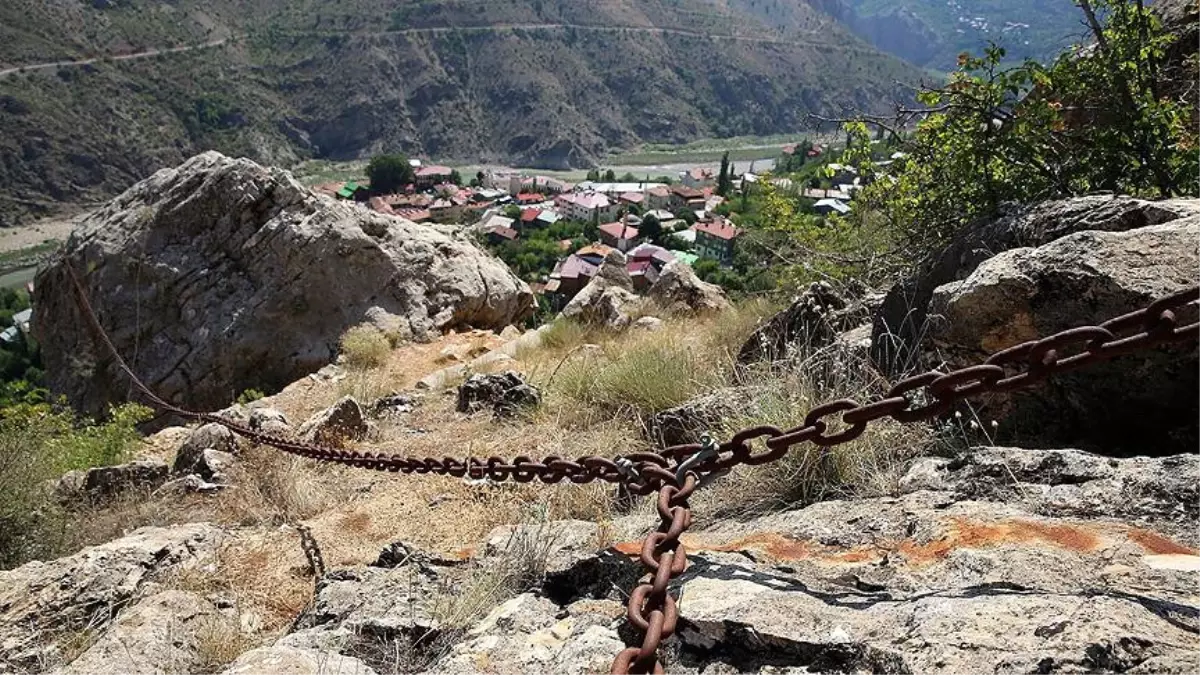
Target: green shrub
x,y
365,347
37,444
249,396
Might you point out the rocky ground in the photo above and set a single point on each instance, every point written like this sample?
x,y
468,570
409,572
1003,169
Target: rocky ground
x,y
1067,545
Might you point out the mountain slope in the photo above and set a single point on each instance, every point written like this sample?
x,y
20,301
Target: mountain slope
x,y
529,81
931,33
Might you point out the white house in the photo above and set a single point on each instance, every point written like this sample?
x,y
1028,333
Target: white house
x,y
586,206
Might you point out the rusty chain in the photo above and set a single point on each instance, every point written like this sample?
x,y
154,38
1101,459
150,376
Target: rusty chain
x,y
676,471
312,551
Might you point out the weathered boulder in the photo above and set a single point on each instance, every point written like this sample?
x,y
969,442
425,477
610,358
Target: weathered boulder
x,y
105,482
43,603
1082,279
270,421
341,422
679,291
191,456
228,275
505,394
934,581
900,325
707,413
812,322
160,634
371,613
280,660
608,299
649,324
570,556
394,405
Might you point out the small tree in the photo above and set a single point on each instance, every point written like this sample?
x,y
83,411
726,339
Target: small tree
x,y
456,177
651,228
724,180
389,173
610,176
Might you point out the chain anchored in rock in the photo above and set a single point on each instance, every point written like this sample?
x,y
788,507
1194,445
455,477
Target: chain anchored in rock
x,y
677,471
312,551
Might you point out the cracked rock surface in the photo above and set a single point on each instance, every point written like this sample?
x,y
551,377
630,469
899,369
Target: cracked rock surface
x,y
228,275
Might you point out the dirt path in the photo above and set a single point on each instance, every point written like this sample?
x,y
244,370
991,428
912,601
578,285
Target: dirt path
x,y
124,57
57,229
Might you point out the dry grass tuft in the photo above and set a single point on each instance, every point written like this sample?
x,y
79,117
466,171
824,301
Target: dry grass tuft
x,y
871,465
219,641
365,346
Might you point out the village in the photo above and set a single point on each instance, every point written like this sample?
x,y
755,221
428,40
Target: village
x,y
653,222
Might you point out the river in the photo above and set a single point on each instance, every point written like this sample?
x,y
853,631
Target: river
x,y
18,277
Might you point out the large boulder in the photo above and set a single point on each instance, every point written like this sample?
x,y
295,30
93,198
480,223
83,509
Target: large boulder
x,y
679,291
222,275
43,604
608,299
812,322
279,660
1027,578
1083,279
901,323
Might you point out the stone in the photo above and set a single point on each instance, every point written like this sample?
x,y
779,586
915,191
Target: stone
x,y
42,602
270,421
370,613
900,325
212,436
1023,560
394,405
245,279
812,322
159,634
510,332
504,393
189,484
280,660
1078,280
678,291
525,635
707,413
341,422
650,324
105,482
569,555
608,299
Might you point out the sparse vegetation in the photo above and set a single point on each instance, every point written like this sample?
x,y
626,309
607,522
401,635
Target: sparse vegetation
x,y
37,444
365,347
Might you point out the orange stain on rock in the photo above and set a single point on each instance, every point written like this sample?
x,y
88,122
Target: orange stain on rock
x,y
1156,544
960,533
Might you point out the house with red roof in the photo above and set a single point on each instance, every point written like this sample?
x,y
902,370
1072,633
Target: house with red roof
x,y
426,177
715,239
529,217
525,198
698,178
619,235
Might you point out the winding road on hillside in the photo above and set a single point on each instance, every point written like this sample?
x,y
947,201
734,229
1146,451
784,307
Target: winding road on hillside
x,y
122,57
441,30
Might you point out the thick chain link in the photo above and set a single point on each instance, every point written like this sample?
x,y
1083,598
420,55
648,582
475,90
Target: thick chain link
x,y
676,471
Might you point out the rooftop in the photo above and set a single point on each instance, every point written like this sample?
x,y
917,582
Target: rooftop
x,y
619,230
719,228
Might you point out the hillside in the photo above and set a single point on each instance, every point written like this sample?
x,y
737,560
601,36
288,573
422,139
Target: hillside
x,y
551,84
931,33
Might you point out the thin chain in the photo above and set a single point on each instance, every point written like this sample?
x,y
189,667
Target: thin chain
x,y
677,470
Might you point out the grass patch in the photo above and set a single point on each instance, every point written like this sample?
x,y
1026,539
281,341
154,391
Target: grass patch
x,y
365,347
38,444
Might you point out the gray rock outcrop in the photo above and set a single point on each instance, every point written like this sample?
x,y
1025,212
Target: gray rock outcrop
x,y
192,455
160,634
278,660
900,324
608,299
678,291
1082,279
227,275
505,394
102,483
41,603
343,421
